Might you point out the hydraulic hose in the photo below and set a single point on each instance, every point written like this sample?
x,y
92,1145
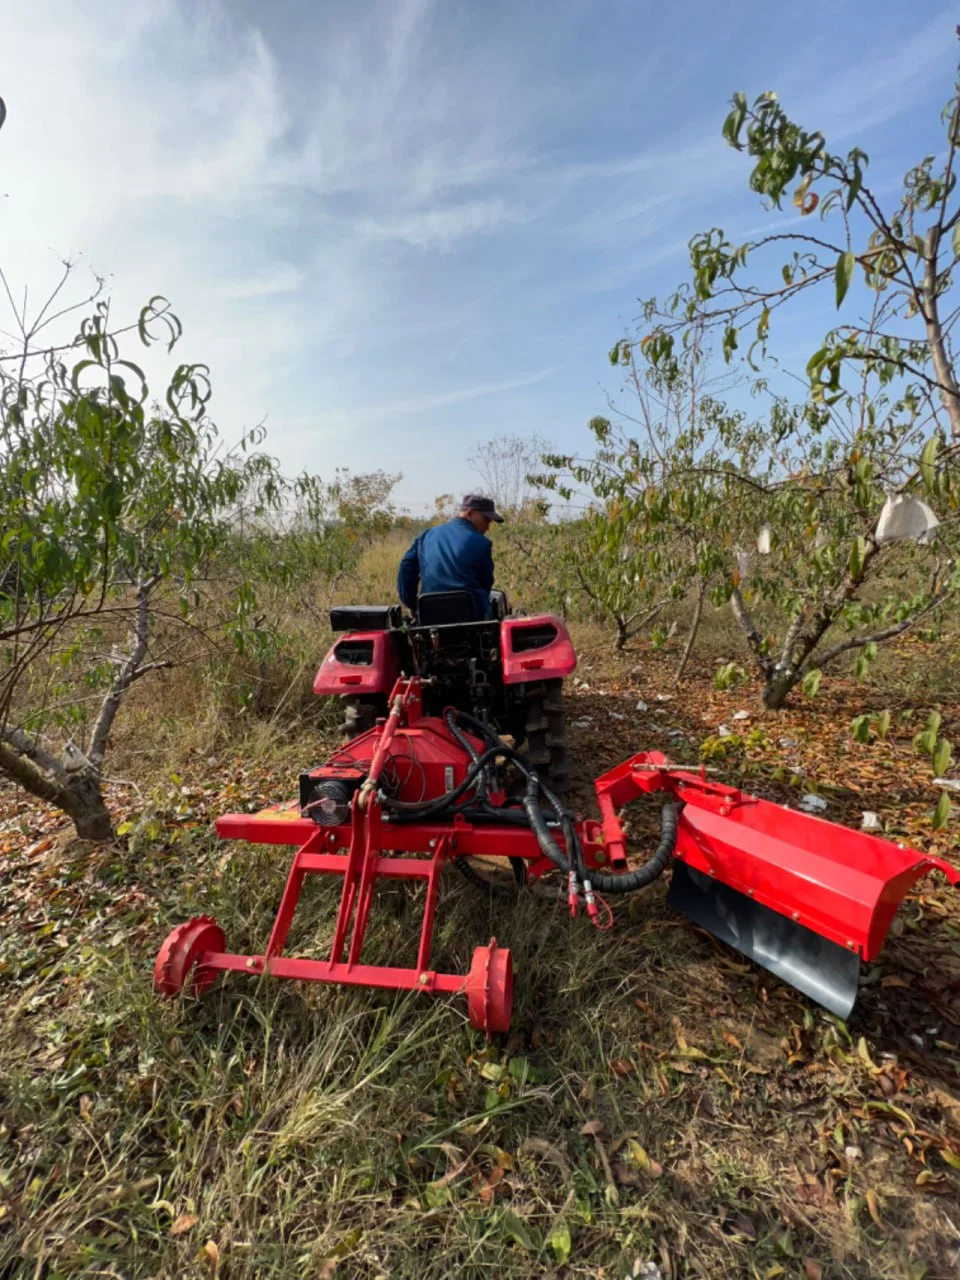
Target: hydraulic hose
x,y
533,816
450,720
404,809
631,881
538,825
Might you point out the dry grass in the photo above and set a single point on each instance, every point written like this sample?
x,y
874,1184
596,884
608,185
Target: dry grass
x,y
658,1099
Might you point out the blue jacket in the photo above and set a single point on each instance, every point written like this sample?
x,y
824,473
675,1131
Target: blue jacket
x,y
448,557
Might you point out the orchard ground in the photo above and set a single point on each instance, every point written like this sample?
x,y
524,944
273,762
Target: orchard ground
x,y
659,1100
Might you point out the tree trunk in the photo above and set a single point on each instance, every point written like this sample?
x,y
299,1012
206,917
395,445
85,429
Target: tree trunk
x,y
83,801
694,628
942,366
77,792
777,689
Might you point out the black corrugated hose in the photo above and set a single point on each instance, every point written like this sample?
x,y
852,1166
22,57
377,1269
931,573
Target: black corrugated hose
x,y
624,882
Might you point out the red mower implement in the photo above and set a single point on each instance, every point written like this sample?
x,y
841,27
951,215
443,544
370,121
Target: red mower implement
x,y
427,786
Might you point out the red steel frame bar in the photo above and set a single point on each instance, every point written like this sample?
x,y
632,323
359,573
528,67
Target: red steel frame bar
x,y
843,884
360,867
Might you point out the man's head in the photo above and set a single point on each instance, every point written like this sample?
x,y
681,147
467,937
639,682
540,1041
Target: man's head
x,y
480,512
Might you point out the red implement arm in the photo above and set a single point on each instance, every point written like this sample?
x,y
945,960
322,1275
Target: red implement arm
x,y
805,898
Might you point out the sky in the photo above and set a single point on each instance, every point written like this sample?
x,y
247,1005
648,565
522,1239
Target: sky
x,y
397,229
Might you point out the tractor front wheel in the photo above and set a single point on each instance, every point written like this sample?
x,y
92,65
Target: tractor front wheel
x,y
546,733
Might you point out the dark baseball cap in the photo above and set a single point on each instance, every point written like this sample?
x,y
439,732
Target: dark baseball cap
x,y
474,502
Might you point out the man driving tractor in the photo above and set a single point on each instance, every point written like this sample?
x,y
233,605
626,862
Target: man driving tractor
x,y
455,556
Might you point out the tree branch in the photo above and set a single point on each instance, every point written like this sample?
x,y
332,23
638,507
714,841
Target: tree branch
x,y
126,674
29,777
888,633
26,747
754,639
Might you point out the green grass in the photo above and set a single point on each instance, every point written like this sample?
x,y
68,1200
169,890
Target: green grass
x,y
657,1099
321,1131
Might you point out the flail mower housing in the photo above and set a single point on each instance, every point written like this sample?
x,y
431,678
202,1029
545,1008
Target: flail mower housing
x,y
430,784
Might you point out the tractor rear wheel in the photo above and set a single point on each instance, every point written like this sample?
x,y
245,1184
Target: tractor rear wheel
x,y
361,712
546,733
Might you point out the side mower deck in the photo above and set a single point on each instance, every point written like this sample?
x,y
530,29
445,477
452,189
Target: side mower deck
x,y
806,899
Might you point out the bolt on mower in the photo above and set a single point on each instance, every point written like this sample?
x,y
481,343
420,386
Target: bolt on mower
x,y
429,777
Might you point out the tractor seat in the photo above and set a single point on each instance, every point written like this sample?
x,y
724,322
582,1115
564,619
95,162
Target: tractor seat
x,y
447,608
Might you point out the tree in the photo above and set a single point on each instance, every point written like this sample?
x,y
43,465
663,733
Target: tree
x,y
505,465
905,253
651,533
111,507
828,483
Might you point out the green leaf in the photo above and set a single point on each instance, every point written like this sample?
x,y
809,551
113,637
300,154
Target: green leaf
x,y
928,464
811,682
843,274
560,1242
516,1228
942,756
734,121
855,565
941,813
124,828
956,241
860,726
925,742
882,724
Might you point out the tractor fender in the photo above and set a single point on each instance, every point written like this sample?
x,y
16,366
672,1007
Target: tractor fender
x,y
359,662
536,648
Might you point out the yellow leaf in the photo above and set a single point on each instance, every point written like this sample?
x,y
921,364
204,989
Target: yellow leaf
x,y
926,1176
186,1222
889,1109
952,1159
864,1054
874,1210
639,1157
212,1254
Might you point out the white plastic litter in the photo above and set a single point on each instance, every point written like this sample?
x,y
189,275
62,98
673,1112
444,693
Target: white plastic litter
x,y
642,706
763,540
948,784
813,804
871,822
723,731
905,518
788,742
743,563
741,715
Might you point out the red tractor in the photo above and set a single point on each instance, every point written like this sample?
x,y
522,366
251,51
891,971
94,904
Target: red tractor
x,y
429,778
508,672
